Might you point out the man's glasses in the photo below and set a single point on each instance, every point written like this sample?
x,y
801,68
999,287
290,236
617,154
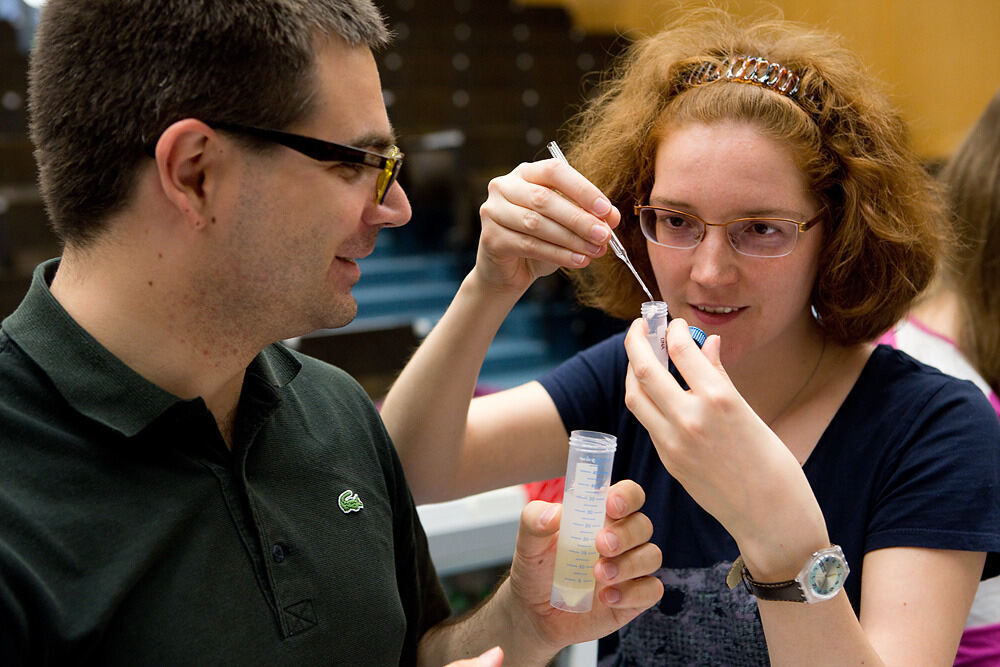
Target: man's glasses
x,y
327,151
756,237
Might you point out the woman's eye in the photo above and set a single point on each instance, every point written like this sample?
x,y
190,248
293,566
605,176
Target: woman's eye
x,y
674,221
761,228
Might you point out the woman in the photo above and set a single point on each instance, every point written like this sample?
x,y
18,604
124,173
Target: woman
x,y
955,327
797,433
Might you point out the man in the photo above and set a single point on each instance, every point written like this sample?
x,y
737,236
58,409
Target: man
x,y
177,488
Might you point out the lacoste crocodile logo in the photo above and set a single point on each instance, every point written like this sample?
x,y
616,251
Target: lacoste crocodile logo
x,y
349,502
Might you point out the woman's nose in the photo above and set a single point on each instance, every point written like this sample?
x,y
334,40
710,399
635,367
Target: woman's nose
x,y
714,258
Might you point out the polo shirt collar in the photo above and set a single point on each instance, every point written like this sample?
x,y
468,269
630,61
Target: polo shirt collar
x,y
94,381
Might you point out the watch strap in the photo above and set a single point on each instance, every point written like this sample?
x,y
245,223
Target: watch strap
x,y
782,591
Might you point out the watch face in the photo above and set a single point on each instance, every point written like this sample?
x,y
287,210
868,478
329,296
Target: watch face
x,y
827,575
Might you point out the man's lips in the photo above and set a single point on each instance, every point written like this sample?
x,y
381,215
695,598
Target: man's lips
x,y
355,254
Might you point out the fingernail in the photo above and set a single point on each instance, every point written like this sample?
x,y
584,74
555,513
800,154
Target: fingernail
x,y
548,514
578,258
620,505
612,596
611,540
601,206
610,570
593,249
599,233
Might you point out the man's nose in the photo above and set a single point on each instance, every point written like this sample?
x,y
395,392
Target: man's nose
x,y
394,211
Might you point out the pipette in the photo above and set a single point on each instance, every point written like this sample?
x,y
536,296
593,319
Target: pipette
x,y
616,245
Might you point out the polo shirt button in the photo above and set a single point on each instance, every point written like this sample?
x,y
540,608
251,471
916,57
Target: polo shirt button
x,y
278,553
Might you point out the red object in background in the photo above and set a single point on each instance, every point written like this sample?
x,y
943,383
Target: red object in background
x,y
549,490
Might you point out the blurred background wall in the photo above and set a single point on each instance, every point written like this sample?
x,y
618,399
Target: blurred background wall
x,y
940,57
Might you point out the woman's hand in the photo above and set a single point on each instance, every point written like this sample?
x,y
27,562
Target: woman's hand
x,y
724,455
541,216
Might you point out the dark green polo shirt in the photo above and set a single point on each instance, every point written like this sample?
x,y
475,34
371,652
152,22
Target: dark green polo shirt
x,y
130,534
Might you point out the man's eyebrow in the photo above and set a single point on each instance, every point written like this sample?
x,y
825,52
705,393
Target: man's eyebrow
x,y
378,142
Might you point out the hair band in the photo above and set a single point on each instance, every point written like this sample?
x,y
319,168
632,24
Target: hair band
x,y
754,70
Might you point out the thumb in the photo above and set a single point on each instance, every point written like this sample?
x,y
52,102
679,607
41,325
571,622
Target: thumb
x,y
539,522
712,349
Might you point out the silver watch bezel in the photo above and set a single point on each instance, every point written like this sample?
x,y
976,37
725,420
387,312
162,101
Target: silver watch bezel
x,y
805,579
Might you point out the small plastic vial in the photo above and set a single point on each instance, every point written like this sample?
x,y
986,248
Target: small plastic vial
x,y
655,313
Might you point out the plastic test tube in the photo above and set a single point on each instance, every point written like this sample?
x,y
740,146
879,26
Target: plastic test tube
x,y
588,476
655,314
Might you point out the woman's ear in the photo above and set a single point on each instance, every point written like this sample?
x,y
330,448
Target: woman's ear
x,y
187,161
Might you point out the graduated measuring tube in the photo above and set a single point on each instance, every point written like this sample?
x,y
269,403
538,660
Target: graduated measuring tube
x,y
588,475
616,245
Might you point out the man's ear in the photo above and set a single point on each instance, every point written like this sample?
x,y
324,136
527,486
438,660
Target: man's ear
x,y
188,161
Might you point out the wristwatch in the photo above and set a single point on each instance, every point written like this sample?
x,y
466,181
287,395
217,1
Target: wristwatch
x,y
822,578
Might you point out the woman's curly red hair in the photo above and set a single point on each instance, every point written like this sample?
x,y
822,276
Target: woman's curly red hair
x,y
884,233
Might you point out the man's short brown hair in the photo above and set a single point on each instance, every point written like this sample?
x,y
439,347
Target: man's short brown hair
x,y
107,77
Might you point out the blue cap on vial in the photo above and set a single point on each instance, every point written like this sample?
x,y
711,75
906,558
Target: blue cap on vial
x,y
698,335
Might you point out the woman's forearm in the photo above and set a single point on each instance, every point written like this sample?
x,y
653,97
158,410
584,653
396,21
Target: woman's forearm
x,y
426,408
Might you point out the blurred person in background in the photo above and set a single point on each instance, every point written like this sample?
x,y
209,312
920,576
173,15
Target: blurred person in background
x,y
956,325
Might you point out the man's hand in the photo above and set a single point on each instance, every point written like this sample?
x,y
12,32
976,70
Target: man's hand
x,y
491,658
625,586
519,618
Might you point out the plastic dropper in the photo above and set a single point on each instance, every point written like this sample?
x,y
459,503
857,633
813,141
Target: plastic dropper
x,y
616,245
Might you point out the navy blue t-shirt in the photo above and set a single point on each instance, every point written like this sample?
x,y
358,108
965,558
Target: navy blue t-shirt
x,y
911,459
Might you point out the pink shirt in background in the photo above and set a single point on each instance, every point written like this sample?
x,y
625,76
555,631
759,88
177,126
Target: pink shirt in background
x,y
980,645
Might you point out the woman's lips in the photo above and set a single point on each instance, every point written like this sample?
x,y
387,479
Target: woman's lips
x,y
715,315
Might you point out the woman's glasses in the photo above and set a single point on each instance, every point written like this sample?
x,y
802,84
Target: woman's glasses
x,y
327,151
756,237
